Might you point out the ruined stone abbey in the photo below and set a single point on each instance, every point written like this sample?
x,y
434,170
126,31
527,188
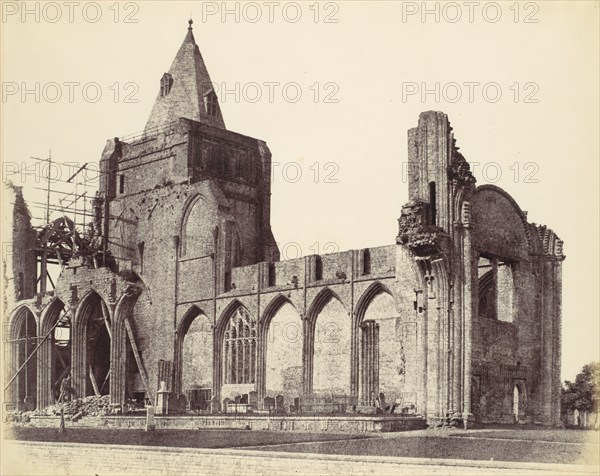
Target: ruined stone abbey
x,y
178,280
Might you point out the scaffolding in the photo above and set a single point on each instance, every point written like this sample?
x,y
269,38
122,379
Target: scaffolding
x,y
71,227
68,227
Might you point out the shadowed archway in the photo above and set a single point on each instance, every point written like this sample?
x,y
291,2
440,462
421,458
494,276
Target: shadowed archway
x,y
91,347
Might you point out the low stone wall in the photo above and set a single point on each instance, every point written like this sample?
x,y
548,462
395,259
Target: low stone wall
x,y
53,421
315,424
308,424
40,422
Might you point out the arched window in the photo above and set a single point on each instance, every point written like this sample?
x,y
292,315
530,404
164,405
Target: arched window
x,y
240,348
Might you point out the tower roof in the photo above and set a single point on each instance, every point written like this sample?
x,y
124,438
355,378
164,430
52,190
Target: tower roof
x,y
186,90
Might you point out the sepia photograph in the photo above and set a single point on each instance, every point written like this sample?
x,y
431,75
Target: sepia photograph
x,y
300,237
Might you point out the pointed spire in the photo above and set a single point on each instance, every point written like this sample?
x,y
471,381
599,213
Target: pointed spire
x,y
186,90
190,33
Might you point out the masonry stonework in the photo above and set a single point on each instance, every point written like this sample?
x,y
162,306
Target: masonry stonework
x,y
457,320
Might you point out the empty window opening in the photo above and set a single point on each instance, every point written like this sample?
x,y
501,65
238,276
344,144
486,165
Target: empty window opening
x,y
496,289
318,268
211,104
98,355
61,357
121,183
505,291
432,203
271,274
236,246
487,289
366,259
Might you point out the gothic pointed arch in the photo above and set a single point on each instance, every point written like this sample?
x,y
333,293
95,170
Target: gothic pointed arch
x,y
196,237
120,346
182,329
320,301
236,336
366,297
380,357
22,361
50,314
273,306
229,310
327,344
16,317
184,323
280,349
91,348
55,352
194,358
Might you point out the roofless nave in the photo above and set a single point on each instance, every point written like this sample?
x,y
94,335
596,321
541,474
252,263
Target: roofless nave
x,y
179,281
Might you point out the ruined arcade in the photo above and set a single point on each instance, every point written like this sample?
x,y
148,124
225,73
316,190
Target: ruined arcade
x,y
175,295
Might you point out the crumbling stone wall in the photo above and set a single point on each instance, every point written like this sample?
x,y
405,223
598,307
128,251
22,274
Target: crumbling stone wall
x,y
18,256
510,354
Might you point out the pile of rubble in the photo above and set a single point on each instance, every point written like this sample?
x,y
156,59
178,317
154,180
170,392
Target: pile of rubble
x,y
87,406
16,416
73,410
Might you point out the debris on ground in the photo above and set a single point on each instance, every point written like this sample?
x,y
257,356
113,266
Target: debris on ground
x,y
87,406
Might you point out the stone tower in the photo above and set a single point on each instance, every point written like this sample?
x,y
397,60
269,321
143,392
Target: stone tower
x,y
186,200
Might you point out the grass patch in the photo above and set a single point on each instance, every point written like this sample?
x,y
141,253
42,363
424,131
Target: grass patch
x,y
204,438
484,445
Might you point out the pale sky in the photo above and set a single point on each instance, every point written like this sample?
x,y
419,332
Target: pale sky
x,y
538,141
